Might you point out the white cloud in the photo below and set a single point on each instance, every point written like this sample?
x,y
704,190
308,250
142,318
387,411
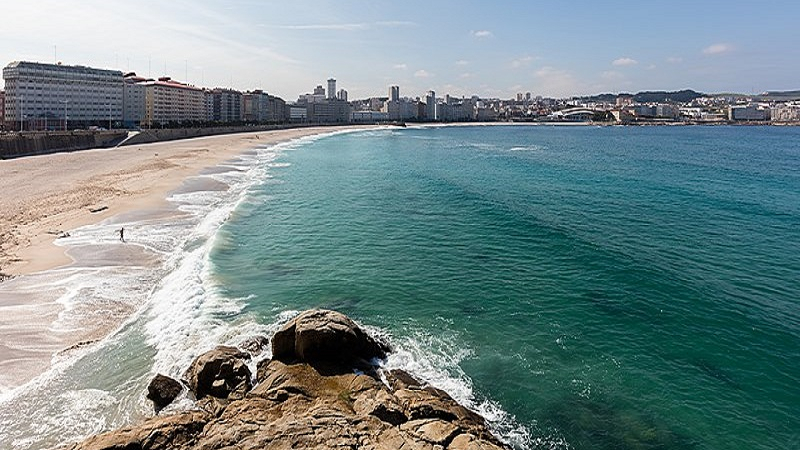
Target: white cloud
x,y
674,60
522,62
717,49
400,66
482,34
422,74
619,62
462,62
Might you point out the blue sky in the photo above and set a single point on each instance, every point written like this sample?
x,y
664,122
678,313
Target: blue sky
x,y
493,49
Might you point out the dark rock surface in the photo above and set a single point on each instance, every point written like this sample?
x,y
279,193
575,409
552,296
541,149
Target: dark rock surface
x,y
162,390
298,403
221,373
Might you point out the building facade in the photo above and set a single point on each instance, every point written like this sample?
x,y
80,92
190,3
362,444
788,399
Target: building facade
x,y
260,107
133,101
430,106
329,111
2,110
785,113
168,102
750,112
331,89
50,96
227,105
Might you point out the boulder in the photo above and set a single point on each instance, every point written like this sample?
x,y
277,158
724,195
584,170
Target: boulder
x,y
301,404
162,390
324,336
221,373
175,431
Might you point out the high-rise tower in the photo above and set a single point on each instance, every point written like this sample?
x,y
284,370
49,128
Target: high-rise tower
x,y
331,88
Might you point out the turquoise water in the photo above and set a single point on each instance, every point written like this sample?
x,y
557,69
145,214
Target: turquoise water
x,y
586,288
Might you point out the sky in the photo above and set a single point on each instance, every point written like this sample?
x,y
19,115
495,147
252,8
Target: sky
x,y
469,47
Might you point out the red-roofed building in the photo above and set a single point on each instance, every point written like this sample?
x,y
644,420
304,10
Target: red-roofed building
x,y
169,102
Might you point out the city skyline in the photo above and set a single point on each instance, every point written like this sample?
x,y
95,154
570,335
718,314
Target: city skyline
x,y
461,48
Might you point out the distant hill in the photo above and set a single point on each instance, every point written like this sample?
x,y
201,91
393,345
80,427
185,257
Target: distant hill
x,y
683,96
780,95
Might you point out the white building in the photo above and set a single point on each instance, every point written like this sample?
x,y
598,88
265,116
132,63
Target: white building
x,y
750,112
368,116
133,93
48,96
430,106
331,89
786,113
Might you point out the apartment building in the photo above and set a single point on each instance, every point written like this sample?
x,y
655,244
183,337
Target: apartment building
x,y
50,96
169,102
227,105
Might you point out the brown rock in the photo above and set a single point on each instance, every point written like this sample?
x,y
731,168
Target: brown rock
x,y
175,431
435,431
255,345
470,442
162,390
304,405
221,373
323,336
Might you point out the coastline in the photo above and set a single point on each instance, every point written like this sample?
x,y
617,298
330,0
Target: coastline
x,y
132,182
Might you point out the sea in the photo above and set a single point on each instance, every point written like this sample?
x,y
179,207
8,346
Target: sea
x,y
580,287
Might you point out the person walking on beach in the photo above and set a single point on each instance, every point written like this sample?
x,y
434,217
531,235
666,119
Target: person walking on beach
x,y
122,234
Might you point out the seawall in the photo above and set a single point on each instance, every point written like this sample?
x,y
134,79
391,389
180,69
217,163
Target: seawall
x,y
42,143
28,144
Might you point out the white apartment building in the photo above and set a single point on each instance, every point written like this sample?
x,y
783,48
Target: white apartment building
x,y
785,113
133,93
50,96
169,102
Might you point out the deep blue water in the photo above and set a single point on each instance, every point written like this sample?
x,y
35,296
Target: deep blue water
x,y
586,288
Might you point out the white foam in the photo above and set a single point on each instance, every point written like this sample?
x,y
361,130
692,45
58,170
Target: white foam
x,y
436,360
181,312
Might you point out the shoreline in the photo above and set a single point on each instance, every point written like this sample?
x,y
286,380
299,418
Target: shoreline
x,y
122,182
127,179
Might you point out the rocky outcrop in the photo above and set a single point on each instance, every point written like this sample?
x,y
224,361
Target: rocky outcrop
x,y
221,373
305,399
323,336
162,390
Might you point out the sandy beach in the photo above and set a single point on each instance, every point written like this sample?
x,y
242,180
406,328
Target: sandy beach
x,y
47,196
